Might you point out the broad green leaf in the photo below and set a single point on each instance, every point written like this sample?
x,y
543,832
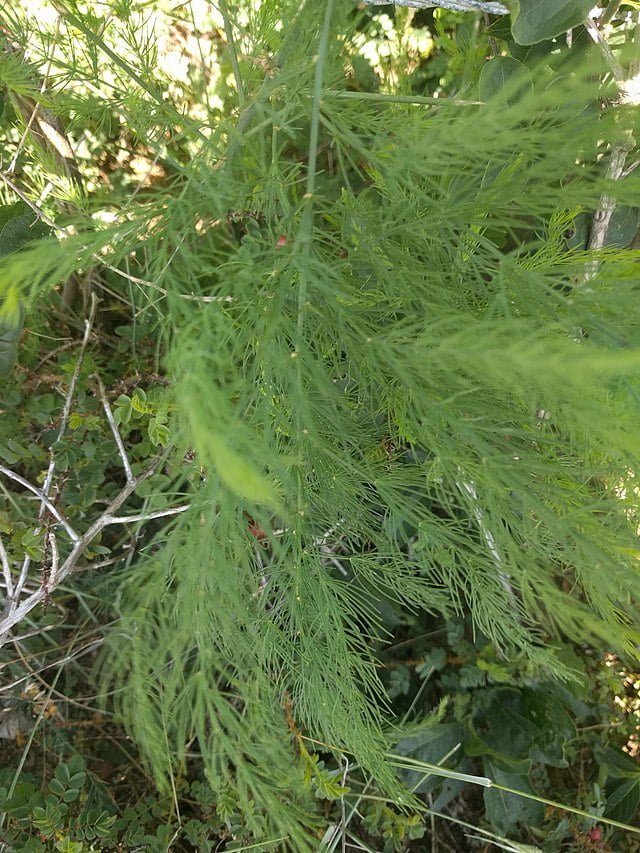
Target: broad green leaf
x,y
56,787
554,725
623,227
538,20
5,453
572,101
623,800
504,810
576,235
78,779
501,728
521,725
618,764
19,231
18,448
11,211
435,658
500,28
123,409
158,432
431,746
496,671
8,350
506,78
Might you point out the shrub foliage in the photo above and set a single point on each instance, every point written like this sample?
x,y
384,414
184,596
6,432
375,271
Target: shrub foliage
x,y
382,363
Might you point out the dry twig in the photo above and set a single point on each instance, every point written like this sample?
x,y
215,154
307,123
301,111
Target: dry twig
x,y
18,606
18,611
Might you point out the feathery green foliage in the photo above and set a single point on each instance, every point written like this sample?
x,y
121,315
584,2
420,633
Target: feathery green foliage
x,y
375,333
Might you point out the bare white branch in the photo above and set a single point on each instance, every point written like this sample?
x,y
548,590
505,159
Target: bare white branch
x,y
6,569
116,432
602,216
20,611
619,151
489,8
161,513
55,560
594,31
34,207
44,499
66,410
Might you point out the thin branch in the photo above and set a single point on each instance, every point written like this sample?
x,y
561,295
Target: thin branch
x,y
85,650
384,97
602,216
27,657
66,411
148,516
58,573
69,564
189,296
326,536
610,12
305,233
491,8
44,499
115,431
34,207
6,569
617,161
610,58
36,107
328,556
22,580
634,65
55,560
233,53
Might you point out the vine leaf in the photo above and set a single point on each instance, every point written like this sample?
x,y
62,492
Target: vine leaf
x,y
505,810
504,77
533,21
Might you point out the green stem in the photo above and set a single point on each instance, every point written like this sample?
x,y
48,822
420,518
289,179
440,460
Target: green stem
x,y
382,97
565,808
315,105
233,53
413,764
610,12
305,234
